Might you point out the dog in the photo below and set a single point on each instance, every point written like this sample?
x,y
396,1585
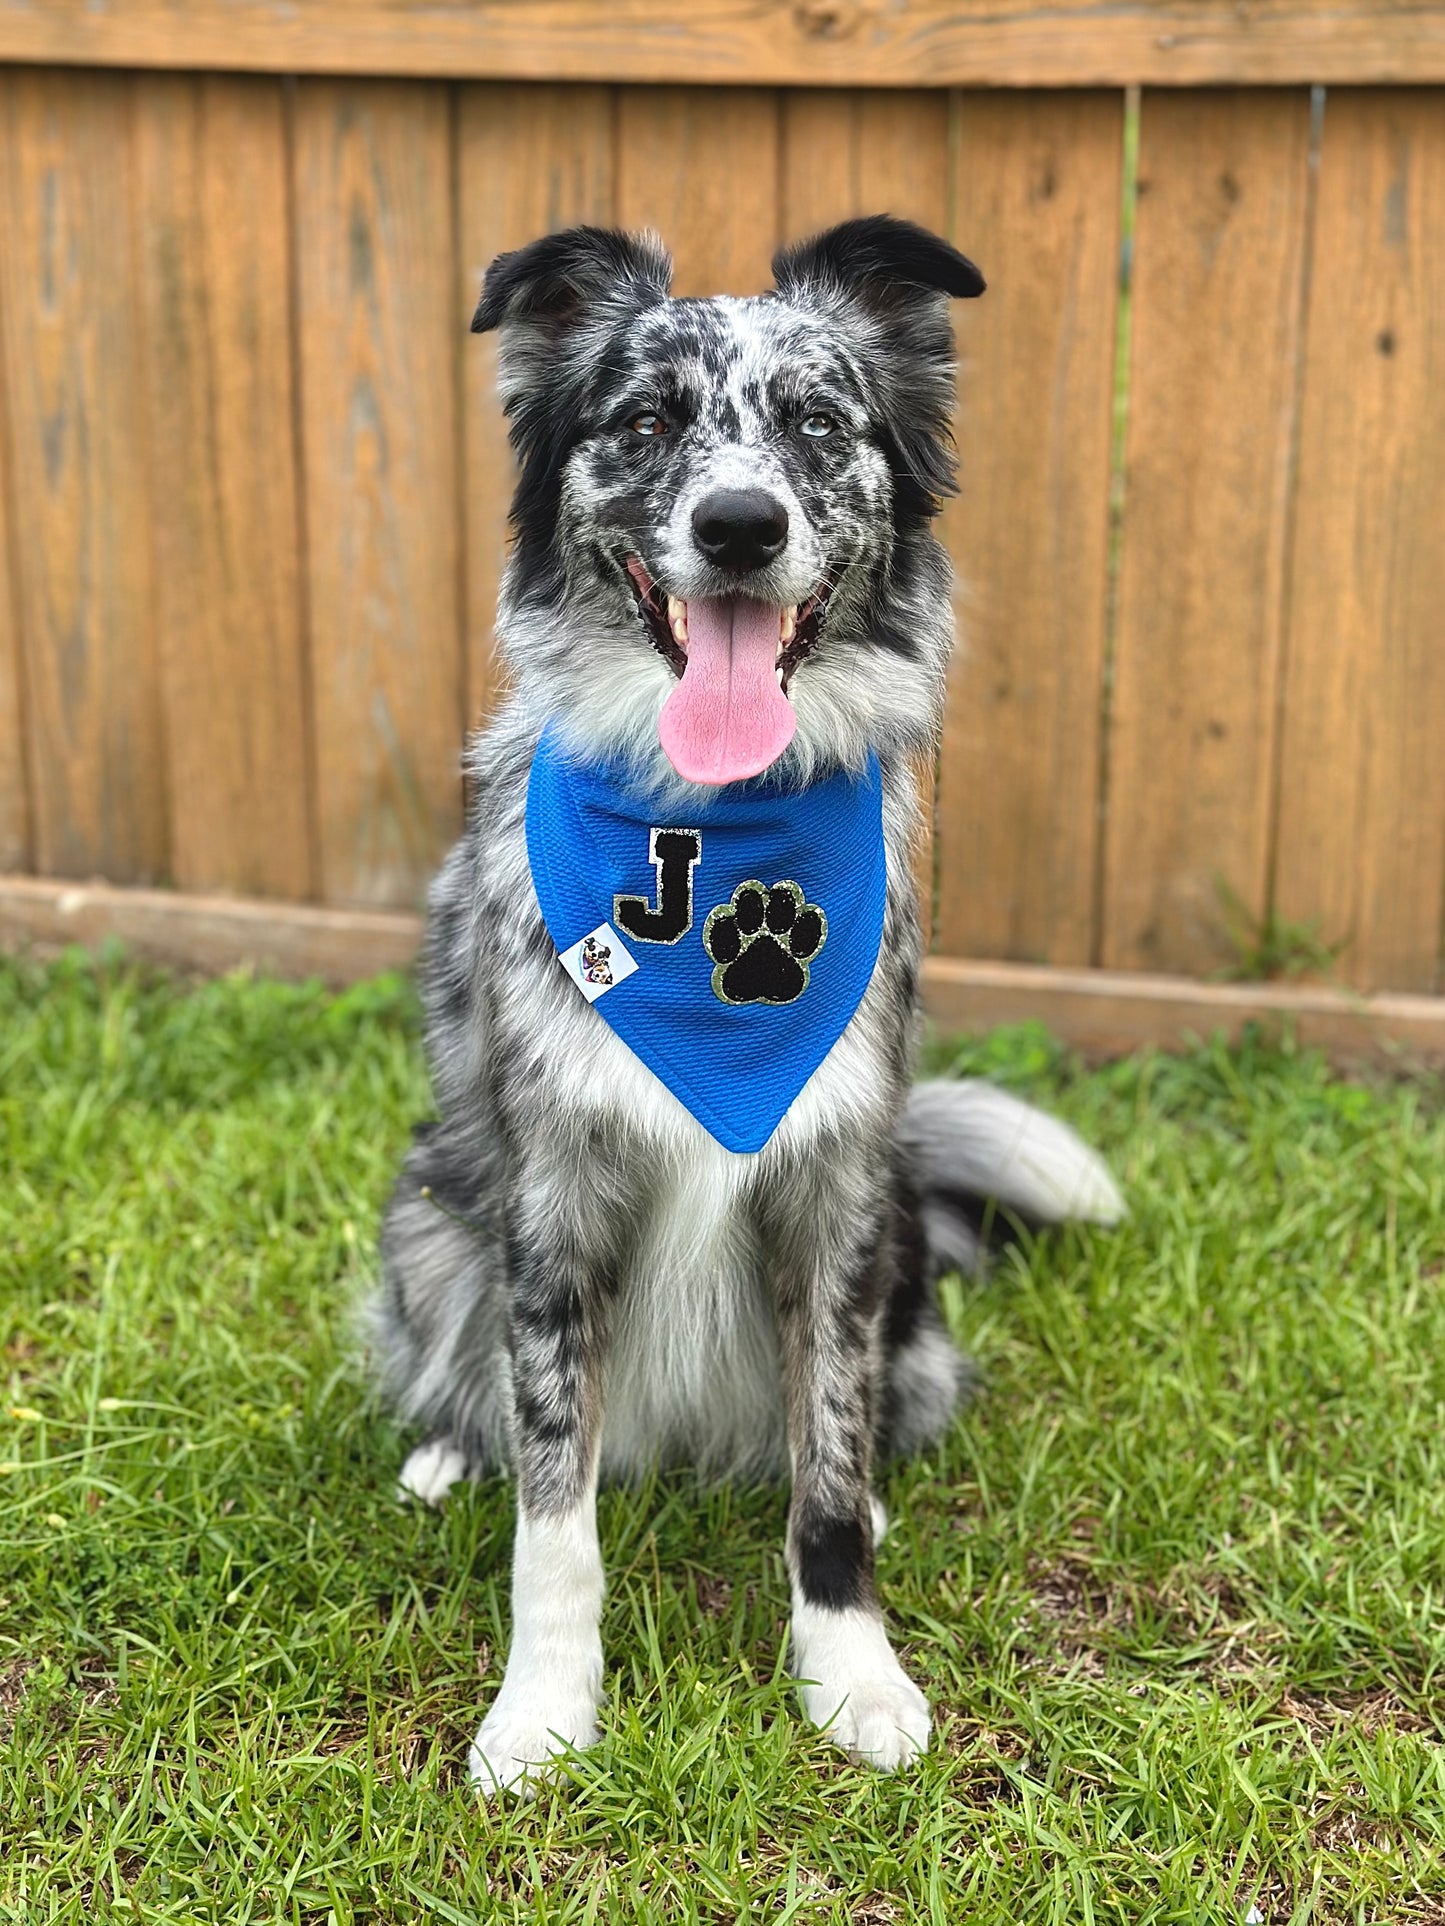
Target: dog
x,y
699,1213
594,962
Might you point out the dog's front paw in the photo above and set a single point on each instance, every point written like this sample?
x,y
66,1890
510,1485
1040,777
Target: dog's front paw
x,y
520,1737
854,1687
880,1722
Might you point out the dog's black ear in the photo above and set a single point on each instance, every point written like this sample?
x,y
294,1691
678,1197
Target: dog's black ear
x,y
553,281
878,260
893,279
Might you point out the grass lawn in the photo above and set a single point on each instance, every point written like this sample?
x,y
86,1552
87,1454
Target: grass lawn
x,y
1176,1586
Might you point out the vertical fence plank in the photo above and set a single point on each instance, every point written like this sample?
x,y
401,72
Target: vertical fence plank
x,y
1217,293
14,804
378,332
1037,190
846,153
81,543
903,156
818,162
215,283
1362,787
531,160
701,166
851,153
901,167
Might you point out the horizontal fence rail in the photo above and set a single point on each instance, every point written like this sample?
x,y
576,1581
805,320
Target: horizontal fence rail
x,y
791,43
253,477
1104,1012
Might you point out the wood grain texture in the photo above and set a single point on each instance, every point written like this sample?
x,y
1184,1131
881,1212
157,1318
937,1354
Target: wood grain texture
x,y
1036,202
1105,1013
215,282
379,336
14,801
194,931
863,43
818,160
846,153
900,167
1217,292
843,154
1099,1012
531,160
701,167
903,156
1361,846
81,543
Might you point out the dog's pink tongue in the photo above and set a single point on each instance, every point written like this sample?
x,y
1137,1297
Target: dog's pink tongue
x,y
727,719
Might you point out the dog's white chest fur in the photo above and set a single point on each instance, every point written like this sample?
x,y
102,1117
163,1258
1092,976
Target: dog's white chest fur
x,y
694,1370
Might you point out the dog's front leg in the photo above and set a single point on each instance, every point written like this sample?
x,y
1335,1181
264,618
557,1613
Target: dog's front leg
x,y
553,1680
850,1679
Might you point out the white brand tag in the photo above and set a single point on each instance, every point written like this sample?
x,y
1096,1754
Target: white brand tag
x,y
598,963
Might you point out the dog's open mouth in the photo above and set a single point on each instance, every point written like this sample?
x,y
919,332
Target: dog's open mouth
x,y
729,716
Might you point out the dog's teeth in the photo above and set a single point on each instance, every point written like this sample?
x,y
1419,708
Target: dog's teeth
x,y
677,618
788,627
778,672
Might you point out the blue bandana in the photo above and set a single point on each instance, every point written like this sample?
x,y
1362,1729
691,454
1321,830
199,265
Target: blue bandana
x,y
727,946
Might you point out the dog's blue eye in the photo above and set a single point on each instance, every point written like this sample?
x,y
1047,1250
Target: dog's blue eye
x,y
816,426
648,425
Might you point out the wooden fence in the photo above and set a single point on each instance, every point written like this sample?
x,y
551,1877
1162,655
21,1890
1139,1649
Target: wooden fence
x,y
253,479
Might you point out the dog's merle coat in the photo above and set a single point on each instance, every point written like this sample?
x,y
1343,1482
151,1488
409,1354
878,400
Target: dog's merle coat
x,y
578,1278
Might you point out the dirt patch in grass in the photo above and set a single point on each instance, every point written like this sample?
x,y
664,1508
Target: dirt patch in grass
x,y
1083,1617
877,1909
1344,1829
1378,1711
714,1595
12,1692
984,1751
1078,1613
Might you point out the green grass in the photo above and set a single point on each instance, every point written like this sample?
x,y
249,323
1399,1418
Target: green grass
x,y
1176,1586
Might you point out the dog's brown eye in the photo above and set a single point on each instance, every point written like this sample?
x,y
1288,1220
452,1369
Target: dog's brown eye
x,y
816,426
648,425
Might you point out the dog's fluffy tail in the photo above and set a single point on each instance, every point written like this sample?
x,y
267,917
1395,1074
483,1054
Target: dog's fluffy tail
x,y
968,1144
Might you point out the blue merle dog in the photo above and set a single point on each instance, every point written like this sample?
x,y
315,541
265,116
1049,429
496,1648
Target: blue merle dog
x,y
723,563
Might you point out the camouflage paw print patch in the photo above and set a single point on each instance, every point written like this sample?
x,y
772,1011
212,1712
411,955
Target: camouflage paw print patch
x,y
762,942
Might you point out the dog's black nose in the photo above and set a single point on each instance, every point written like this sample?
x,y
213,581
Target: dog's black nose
x,y
740,527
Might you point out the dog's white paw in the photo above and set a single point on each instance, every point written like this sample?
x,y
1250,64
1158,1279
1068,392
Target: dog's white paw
x,y
853,1685
880,1721
431,1470
520,1736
